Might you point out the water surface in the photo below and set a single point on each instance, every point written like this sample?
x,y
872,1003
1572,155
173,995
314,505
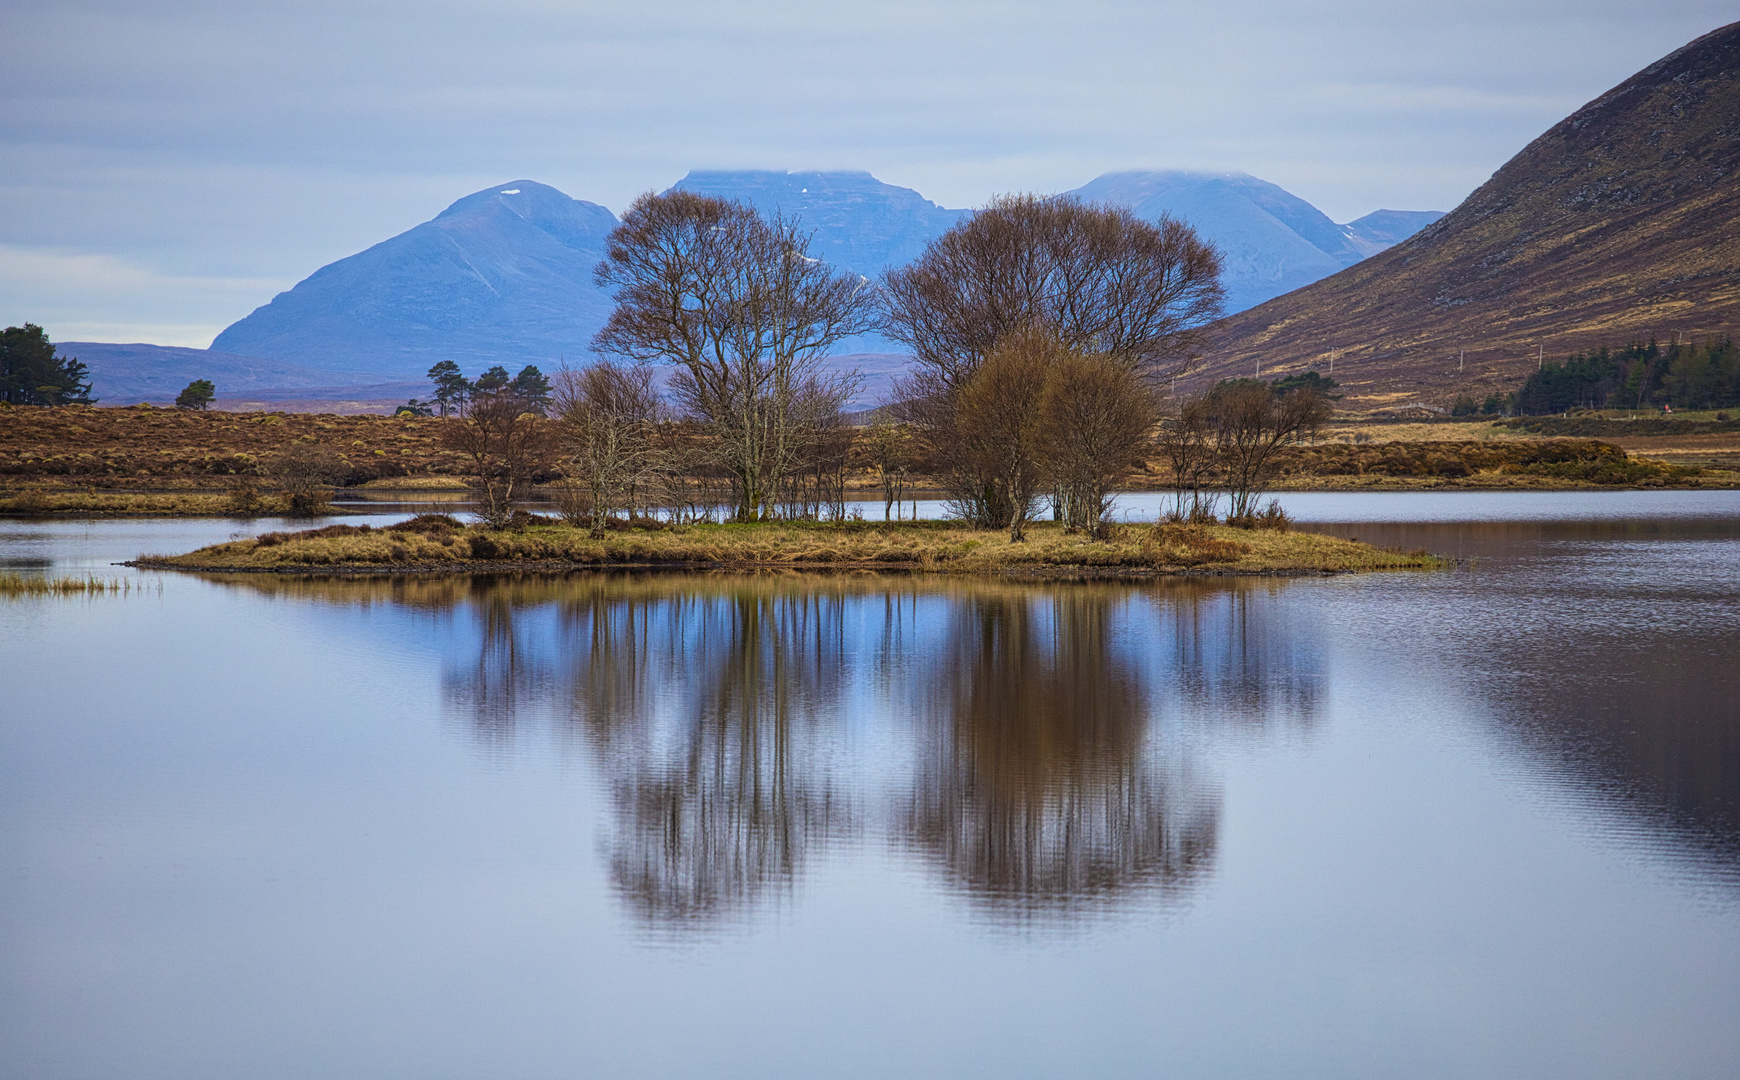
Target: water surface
x,y
1478,823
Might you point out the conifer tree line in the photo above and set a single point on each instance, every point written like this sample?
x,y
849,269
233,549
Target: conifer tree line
x,y
531,388
1680,375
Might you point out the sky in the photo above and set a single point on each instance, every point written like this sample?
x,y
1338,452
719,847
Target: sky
x,y
167,167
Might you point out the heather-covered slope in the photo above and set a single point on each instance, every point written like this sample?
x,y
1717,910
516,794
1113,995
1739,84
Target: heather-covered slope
x,y
1621,222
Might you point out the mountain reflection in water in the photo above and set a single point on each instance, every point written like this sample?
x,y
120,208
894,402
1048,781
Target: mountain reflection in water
x,y
1607,653
1031,742
1037,784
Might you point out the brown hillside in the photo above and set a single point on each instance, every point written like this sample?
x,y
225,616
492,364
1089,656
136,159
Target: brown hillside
x,y
1621,222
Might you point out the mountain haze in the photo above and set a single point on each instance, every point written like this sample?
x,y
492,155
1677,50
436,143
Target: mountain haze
x,y
1621,222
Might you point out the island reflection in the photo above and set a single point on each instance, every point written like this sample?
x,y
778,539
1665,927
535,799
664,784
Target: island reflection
x,y
1035,744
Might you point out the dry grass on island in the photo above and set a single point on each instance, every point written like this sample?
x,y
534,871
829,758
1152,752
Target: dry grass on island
x,y
438,543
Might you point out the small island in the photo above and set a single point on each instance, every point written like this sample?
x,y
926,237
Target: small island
x,y
438,543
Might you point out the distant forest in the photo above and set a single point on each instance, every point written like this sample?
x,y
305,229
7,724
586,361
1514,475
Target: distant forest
x,y
1702,375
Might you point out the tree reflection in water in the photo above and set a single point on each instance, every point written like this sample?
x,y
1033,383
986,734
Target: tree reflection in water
x,y
713,710
1048,763
507,674
1038,786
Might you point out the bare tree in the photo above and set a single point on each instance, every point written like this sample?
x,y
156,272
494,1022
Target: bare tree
x,y
690,483
608,415
1098,279
816,480
1101,279
997,428
1186,440
1096,425
505,448
745,315
1251,423
887,447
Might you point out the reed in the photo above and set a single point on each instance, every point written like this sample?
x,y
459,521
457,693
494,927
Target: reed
x,y
22,585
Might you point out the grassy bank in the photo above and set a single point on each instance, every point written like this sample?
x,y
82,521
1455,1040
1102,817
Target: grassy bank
x,y
436,543
36,502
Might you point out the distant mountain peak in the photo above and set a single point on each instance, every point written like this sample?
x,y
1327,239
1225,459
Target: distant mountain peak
x,y
503,275
1272,241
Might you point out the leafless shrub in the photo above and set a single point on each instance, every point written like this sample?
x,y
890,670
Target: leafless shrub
x,y
887,450
996,430
1186,440
504,448
814,484
1273,517
608,415
1251,423
303,472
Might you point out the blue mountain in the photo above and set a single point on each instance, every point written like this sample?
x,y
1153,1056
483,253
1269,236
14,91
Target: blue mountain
x,y
1386,228
855,220
501,276
504,276
1272,241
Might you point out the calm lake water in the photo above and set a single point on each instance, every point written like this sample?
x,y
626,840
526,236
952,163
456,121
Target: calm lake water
x,y
1479,823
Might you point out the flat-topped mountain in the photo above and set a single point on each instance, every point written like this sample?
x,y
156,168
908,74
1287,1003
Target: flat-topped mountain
x,y
127,374
1622,222
857,221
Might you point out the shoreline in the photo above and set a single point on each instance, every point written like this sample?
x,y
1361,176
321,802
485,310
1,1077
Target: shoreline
x,y
64,504
436,544
866,569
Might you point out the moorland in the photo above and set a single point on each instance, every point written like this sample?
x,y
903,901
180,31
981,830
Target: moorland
x,y
145,460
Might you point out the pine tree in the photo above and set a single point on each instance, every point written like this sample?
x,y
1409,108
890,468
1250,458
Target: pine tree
x,y
451,386
531,385
31,373
198,395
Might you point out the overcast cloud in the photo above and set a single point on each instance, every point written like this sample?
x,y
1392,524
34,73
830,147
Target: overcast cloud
x,y
169,166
